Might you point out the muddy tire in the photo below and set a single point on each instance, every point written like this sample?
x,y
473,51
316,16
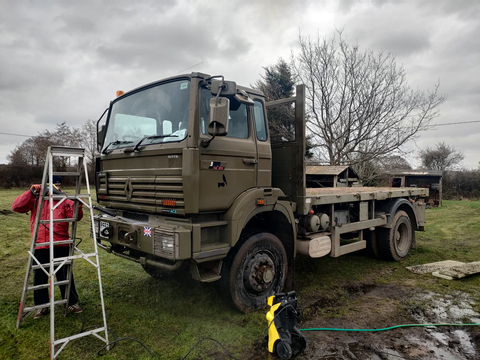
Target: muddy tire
x,y
395,243
254,270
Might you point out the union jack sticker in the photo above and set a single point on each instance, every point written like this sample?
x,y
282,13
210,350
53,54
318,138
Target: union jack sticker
x,y
147,231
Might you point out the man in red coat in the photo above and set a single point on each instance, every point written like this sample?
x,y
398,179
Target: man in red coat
x,y
28,201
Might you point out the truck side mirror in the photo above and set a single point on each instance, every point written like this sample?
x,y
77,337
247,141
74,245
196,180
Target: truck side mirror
x,y
100,136
227,88
219,114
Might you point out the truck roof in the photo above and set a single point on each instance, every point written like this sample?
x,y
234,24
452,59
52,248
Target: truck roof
x,y
195,75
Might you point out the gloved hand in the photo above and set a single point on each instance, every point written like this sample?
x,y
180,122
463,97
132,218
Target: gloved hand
x,y
35,188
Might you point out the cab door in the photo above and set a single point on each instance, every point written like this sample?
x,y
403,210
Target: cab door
x,y
228,166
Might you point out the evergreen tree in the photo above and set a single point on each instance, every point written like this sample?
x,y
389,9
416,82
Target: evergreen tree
x,y
277,83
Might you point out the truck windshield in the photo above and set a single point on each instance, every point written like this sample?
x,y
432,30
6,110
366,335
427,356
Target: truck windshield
x,y
157,115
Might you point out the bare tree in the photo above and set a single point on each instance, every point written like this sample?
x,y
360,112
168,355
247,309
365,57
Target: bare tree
x,y
359,104
89,135
442,157
33,150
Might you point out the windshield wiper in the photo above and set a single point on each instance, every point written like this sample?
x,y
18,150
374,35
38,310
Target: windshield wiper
x,y
117,142
135,148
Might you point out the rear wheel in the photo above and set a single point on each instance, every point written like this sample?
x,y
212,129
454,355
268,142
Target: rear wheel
x,y
395,243
254,271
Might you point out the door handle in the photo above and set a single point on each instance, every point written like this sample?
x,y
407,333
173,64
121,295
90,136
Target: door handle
x,y
250,161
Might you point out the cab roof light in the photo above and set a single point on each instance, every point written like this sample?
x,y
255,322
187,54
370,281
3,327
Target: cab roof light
x,y
120,93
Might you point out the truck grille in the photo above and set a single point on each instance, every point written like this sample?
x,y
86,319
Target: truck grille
x,y
135,216
144,193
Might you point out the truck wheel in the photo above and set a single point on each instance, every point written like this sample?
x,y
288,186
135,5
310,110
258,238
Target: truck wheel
x,y
255,271
395,243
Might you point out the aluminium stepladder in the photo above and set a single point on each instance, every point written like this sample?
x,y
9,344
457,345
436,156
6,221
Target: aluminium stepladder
x,y
56,264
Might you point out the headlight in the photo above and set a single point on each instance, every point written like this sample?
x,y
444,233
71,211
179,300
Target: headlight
x,y
166,244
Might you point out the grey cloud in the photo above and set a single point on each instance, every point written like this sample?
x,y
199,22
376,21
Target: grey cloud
x,y
402,42
171,42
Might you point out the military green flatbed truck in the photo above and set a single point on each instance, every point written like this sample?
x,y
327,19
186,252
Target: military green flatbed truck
x,y
188,175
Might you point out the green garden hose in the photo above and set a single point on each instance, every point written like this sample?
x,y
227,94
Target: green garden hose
x,y
387,328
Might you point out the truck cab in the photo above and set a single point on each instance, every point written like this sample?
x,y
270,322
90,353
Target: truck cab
x,y
174,191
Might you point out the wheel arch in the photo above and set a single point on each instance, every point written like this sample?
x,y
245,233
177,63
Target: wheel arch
x,y
275,217
391,207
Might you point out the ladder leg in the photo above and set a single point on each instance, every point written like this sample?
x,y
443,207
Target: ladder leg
x,y
23,299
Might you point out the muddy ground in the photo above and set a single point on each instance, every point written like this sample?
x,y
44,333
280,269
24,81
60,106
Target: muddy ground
x,y
379,306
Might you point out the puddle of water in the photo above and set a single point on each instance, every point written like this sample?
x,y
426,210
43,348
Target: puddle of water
x,y
465,341
448,310
440,337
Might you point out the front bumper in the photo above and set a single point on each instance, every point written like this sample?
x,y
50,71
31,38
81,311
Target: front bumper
x,y
157,238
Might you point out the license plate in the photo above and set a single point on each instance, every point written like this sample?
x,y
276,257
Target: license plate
x,y
103,225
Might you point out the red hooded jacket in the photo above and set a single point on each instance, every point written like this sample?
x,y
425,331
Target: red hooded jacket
x,y
29,202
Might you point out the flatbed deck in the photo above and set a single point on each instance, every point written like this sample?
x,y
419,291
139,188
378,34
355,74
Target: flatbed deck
x,y
324,196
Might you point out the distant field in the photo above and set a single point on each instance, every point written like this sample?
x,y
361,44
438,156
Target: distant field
x,y
170,316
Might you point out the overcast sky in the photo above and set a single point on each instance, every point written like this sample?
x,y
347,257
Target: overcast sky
x,y
64,60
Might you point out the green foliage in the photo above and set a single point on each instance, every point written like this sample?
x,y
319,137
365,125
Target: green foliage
x,y
461,184
278,83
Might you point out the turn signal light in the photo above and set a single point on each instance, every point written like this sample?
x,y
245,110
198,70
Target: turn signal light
x,y
120,93
260,201
167,202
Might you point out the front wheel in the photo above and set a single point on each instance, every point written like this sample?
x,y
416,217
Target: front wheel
x,y
395,243
254,271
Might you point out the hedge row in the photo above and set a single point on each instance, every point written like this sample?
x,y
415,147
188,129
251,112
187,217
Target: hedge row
x,y
461,184
22,176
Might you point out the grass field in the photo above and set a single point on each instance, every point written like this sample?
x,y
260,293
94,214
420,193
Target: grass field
x,y
170,316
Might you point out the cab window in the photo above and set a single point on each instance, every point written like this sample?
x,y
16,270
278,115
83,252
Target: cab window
x,y
238,121
260,124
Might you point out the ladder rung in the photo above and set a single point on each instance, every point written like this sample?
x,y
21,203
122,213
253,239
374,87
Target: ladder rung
x,y
71,197
66,151
79,335
55,243
66,173
47,265
44,286
36,307
57,221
